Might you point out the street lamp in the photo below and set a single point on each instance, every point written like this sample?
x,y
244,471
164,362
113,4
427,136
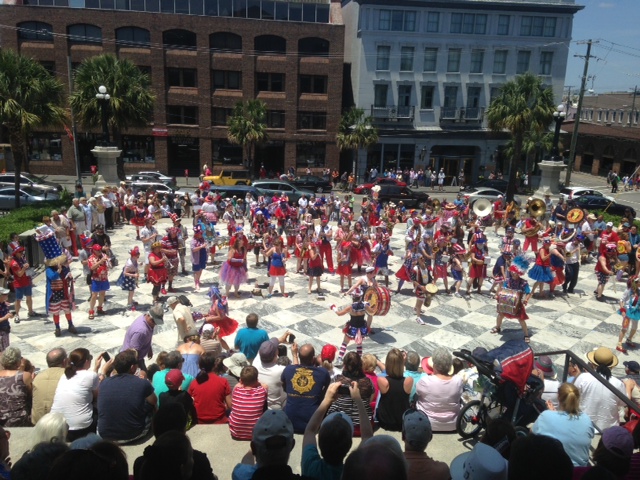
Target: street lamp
x,y
103,97
558,118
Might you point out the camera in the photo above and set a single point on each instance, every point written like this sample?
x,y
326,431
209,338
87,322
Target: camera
x,y
344,390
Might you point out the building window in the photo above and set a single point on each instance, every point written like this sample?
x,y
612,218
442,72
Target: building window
x,y
313,47
219,116
426,100
269,82
384,20
503,24
538,26
133,37
182,77
270,45
313,84
44,147
227,79
430,59
473,97
524,57
181,115
397,20
495,92
500,61
84,34
546,61
380,92
468,23
179,39
406,59
404,95
312,121
477,61
311,154
453,60
225,42
275,118
382,57
138,149
35,31
433,22
450,97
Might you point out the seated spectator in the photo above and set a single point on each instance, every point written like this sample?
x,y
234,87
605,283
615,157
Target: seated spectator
x,y
352,372
438,395
211,393
174,395
170,457
335,434
50,428
369,364
547,372
500,434
172,361
305,386
5,458
270,373
395,389
36,463
483,462
46,382
613,454
595,399
632,371
471,380
235,363
412,370
210,341
156,367
15,403
416,435
191,351
249,339
376,459
568,424
248,403
172,417
102,461
327,357
125,402
535,457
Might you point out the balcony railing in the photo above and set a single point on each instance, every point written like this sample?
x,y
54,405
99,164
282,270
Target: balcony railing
x,y
461,115
392,113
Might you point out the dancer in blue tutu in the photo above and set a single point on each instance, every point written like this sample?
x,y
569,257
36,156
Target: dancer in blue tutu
x,y
630,311
541,271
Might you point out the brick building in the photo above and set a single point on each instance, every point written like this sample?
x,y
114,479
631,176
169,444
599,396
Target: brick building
x,y
203,56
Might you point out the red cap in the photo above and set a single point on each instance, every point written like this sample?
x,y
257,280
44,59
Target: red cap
x,y
174,379
97,248
328,353
18,250
426,368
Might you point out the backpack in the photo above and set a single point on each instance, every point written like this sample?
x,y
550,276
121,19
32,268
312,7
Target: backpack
x,y
184,301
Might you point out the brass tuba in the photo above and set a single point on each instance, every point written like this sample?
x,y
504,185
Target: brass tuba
x,y
537,208
482,207
436,205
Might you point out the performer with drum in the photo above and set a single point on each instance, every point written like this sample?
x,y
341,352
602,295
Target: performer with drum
x,y
356,328
510,301
541,271
501,268
630,311
368,280
604,267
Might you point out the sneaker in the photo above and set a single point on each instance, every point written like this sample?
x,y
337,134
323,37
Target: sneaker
x,y
163,291
16,319
72,330
91,315
457,294
621,349
269,295
57,332
32,314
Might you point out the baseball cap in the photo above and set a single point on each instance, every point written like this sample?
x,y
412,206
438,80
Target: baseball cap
x,y
609,224
171,300
235,363
5,291
370,269
481,463
207,327
338,420
328,352
268,350
631,365
174,379
618,440
157,314
416,429
273,431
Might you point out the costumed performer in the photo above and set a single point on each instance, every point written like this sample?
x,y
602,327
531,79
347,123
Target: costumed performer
x,y
277,267
356,328
515,281
233,271
541,271
128,280
344,263
218,314
157,274
604,267
630,311
198,256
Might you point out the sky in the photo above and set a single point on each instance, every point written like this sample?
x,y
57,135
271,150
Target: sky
x,y
614,27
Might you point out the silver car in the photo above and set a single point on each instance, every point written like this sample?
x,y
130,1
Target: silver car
x,y
573,193
28,196
491,194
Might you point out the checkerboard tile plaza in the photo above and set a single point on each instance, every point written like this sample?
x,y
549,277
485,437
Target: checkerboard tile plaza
x,y
577,322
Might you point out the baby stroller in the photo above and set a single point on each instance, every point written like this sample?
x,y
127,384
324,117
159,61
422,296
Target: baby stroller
x,y
508,390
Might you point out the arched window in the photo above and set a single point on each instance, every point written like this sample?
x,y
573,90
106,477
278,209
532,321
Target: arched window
x,y
225,42
82,33
313,46
179,39
133,37
270,45
38,31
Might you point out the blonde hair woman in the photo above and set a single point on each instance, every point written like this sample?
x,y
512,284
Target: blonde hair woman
x,y
395,389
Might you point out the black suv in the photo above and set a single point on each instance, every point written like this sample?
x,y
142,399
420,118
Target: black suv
x,y
395,194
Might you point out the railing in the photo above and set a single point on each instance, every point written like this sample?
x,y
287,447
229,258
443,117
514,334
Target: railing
x,y
462,115
392,113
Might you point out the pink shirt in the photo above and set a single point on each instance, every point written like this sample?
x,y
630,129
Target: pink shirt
x,y
440,401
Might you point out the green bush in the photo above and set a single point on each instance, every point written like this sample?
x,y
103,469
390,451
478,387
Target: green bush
x,y
615,219
30,216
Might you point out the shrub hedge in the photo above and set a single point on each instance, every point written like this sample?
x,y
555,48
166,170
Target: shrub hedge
x,y
30,216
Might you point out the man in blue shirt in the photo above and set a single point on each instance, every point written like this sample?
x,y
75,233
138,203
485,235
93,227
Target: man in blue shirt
x,y
249,339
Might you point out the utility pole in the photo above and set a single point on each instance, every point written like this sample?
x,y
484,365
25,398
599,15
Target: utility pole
x,y
74,131
568,104
633,105
576,120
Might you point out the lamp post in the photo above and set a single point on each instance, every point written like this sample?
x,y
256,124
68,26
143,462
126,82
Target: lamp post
x,y
558,118
103,97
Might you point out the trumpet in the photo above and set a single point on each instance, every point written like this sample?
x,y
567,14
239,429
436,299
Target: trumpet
x,y
436,205
537,208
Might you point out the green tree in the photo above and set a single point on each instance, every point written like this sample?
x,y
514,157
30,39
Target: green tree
x,y
248,127
534,144
355,131
131,103
523,105
29,97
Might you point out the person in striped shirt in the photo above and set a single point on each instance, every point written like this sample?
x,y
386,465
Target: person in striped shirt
x,y
248,403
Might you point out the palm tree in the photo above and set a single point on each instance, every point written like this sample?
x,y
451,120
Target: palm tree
x,y
29,97
523,105
131,103
534,144
248,127
355,131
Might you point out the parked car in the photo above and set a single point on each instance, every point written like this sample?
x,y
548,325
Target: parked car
x,y
153,177
239,191
277,187
491,194
29,180
28,196
143,186
596,202
570,193
311,182
395,194
487,183
365,188
230,177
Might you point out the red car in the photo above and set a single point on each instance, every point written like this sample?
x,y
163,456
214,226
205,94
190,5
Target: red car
x,y
366,187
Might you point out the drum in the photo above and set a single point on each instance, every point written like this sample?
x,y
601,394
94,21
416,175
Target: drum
x,y
487,260
431,291
575,215
509,301
445,258
377,301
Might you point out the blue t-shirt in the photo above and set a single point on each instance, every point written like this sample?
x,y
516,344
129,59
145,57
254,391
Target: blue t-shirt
x,y
248,341
305,387
416,378
574,432
314,466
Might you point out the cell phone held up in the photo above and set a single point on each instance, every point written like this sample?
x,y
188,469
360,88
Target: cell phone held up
x,y
106,357
291,338
344,390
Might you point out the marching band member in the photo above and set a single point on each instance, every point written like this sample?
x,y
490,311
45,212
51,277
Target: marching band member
x,y
183,236
233,271
356,328
302,249
630,311
99,264
456,267
477,267
410,260
325,232
259,228
229,218
128,280
508,237
149,235
517,269
158,273
344,263
277,267
608,236
420,280
440,264
315,269
557,265
499,210
541,271
604,268
529,230
198,255
381,252
589,231
170,246
414,234
500,269
360,248
22,282
572,263
218,315
624,249
362,283
60,297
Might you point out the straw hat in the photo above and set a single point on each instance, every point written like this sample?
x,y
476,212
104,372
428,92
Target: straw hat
x,y
603,356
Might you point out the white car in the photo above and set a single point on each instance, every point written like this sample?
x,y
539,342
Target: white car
x,y
572,193
491,194
152,177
